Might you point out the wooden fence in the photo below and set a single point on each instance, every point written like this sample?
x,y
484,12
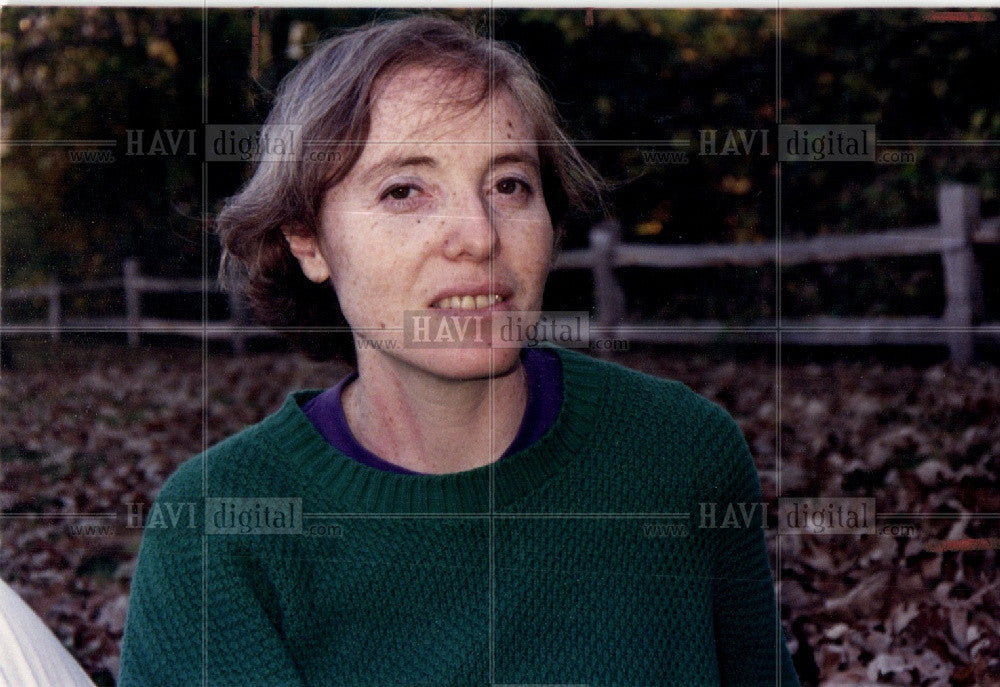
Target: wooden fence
x,y
958,231
236,329
954,237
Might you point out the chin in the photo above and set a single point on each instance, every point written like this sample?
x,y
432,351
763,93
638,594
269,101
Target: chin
x,y
469,363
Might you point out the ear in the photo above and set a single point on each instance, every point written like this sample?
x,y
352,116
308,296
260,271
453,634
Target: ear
x,y
305,248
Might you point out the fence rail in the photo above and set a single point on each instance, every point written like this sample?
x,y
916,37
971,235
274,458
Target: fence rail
x,y
133,323
960,228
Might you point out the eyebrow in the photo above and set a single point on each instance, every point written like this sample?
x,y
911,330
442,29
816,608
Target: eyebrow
x,y
396,162
392,162
514,158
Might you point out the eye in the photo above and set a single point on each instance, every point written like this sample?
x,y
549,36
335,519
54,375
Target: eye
x,y
400,192
403,196
512,185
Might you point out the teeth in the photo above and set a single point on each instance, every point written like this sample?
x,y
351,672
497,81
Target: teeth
x,y
468,302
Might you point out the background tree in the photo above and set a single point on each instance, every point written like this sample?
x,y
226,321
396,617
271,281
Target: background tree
x,y
618,75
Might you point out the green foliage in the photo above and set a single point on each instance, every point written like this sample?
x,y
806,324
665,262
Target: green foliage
x,y
92,75
620,76
913,78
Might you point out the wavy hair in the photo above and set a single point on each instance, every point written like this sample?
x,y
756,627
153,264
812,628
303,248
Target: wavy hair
x,y
328,99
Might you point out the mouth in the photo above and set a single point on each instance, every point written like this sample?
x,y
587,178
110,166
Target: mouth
x,y
474,295
469,301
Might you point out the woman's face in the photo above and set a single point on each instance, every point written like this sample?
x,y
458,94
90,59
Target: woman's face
x,y
443,210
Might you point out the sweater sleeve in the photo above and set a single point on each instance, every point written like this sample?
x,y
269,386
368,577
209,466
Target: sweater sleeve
x,y
749,640
198,612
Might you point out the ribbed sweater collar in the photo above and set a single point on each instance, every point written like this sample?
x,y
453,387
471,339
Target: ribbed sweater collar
x,y
337,483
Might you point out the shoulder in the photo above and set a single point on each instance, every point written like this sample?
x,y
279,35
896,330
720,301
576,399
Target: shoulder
x,y
628,395
248,462
660,428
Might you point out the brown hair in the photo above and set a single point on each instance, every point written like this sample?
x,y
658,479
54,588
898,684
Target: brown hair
x,y
330,97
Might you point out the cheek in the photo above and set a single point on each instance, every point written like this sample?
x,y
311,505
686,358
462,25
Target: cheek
x,y
532,251
365,269
542,238
543,256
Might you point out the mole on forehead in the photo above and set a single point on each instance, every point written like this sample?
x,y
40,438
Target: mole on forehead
x,y
422,102
399,122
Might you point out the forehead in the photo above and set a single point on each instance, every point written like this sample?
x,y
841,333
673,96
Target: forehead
x,y
419,103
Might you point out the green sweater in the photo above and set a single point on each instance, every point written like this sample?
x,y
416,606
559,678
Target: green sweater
x,y
560,564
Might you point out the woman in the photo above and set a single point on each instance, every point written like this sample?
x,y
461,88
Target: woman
x,y
458,515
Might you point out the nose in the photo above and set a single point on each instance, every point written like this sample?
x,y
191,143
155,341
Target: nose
x,y
472,229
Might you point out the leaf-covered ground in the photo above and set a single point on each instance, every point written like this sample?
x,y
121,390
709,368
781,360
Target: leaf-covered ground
x,y
88,429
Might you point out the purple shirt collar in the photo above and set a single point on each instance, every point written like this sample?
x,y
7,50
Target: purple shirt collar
x,y
544,375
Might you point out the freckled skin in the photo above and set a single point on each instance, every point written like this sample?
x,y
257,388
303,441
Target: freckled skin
x,y
489,224
382,265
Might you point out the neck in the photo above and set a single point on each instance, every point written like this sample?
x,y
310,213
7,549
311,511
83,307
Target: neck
x,y
432,425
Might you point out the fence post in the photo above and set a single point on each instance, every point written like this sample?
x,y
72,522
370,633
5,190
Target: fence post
x,y
133,300
55,310
958,209
237,320
609,299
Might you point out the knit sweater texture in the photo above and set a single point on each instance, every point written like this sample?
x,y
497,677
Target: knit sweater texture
x,y
273,559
